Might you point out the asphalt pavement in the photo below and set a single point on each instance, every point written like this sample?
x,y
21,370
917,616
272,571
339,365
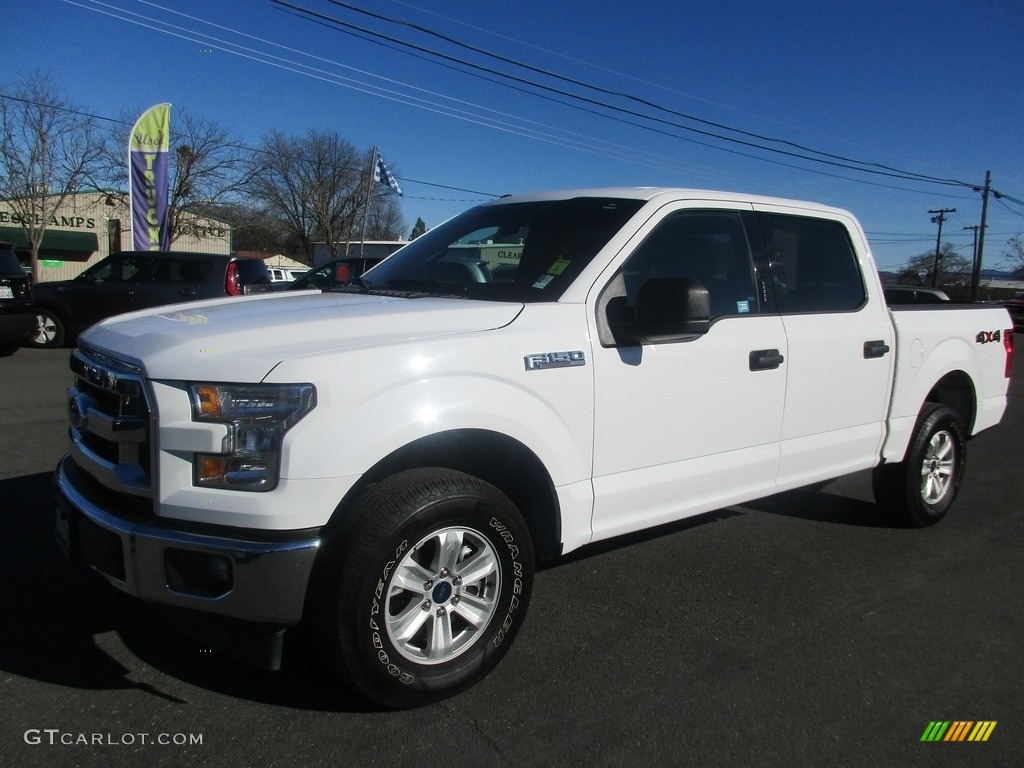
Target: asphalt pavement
x,y
801,630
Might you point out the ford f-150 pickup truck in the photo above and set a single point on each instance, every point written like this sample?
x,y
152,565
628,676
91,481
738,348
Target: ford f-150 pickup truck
x,y
389,459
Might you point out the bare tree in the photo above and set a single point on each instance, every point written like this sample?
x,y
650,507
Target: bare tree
x,y
209,167
384,220
1015,255
316,181
254,228
953,268
49,148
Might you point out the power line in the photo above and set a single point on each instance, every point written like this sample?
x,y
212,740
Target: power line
x,y
854,165
501,122
623,95
575,60
554,135
476,118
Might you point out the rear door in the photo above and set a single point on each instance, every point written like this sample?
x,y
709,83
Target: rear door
x,y
172,280
688,426
840,339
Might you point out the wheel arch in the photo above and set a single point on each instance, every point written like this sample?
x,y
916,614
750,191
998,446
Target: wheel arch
x,y
495,458
956,390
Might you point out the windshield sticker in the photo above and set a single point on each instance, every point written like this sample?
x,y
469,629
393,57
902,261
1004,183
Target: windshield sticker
x,y
742,306
543,281
558,267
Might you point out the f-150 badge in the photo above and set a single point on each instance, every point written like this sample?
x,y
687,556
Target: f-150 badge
x,y
542,361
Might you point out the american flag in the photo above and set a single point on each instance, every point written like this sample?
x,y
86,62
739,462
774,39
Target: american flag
x,y
381,172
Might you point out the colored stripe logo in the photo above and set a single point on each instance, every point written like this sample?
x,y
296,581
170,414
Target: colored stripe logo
x,y
958,730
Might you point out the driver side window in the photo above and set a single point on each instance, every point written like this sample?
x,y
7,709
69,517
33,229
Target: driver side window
x,y
121,269
707,246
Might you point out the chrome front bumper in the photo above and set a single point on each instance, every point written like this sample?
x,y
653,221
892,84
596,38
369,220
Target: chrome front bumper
x,y
250,580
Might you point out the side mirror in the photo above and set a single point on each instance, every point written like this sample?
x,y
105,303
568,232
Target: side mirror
x,y
668,309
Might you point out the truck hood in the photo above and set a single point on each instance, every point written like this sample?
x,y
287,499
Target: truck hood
x,y
242,339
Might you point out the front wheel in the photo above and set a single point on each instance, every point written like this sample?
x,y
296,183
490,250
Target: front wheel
x,y
921,489
49,330
428,589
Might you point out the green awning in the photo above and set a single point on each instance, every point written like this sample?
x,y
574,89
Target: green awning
x,y
56,243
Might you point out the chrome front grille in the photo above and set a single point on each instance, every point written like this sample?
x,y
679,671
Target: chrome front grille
x,y
110,423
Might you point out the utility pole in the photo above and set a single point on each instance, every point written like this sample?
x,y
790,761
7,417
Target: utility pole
x,y
938,241
974,258
976,273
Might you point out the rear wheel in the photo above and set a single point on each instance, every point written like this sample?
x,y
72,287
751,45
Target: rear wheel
x,y
920,490
428,588
49,330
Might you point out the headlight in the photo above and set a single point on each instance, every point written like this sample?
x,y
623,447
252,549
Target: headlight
x,y
258,415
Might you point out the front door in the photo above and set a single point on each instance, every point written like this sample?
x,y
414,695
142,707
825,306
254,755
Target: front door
x,y
689,426
109,289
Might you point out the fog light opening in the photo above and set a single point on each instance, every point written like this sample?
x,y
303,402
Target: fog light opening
x,y
200,574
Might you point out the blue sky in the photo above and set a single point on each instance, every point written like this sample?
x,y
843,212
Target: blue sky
x,y
934,88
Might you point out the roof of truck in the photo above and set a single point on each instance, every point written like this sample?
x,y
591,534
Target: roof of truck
x,y
648,194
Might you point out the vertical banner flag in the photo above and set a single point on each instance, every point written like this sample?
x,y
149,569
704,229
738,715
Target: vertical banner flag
x,y
148,178
380,171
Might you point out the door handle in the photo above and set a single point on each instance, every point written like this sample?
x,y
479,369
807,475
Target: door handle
x,y
765,359
876,348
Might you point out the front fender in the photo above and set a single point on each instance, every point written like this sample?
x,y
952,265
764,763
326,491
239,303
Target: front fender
x,y
374,402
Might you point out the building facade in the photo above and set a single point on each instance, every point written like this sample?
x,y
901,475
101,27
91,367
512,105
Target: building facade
x,y
92,225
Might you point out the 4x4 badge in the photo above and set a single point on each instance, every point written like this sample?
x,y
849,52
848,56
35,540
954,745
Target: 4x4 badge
x,y
542,361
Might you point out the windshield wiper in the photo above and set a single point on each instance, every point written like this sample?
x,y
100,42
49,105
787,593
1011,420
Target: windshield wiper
x,y
355,285
427,287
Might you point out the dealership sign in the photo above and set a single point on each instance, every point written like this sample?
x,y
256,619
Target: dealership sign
x,y
148,178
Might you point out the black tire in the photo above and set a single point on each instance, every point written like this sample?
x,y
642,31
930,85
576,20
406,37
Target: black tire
x,y
920,489
49,331
402,621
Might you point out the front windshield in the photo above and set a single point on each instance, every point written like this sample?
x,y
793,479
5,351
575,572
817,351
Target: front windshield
x,y
503,252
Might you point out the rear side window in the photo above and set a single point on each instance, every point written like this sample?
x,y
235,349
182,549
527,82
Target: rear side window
x,y
252,271
813,264
179,271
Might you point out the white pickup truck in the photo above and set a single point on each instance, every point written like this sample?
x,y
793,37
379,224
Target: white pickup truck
x,y
389,460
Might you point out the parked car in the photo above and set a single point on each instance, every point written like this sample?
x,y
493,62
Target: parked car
x,y
912,294
335,272
283,275
132,280
1015,307
17,318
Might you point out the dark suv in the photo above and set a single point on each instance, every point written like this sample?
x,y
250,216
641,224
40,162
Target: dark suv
x,y
131,280
17,318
